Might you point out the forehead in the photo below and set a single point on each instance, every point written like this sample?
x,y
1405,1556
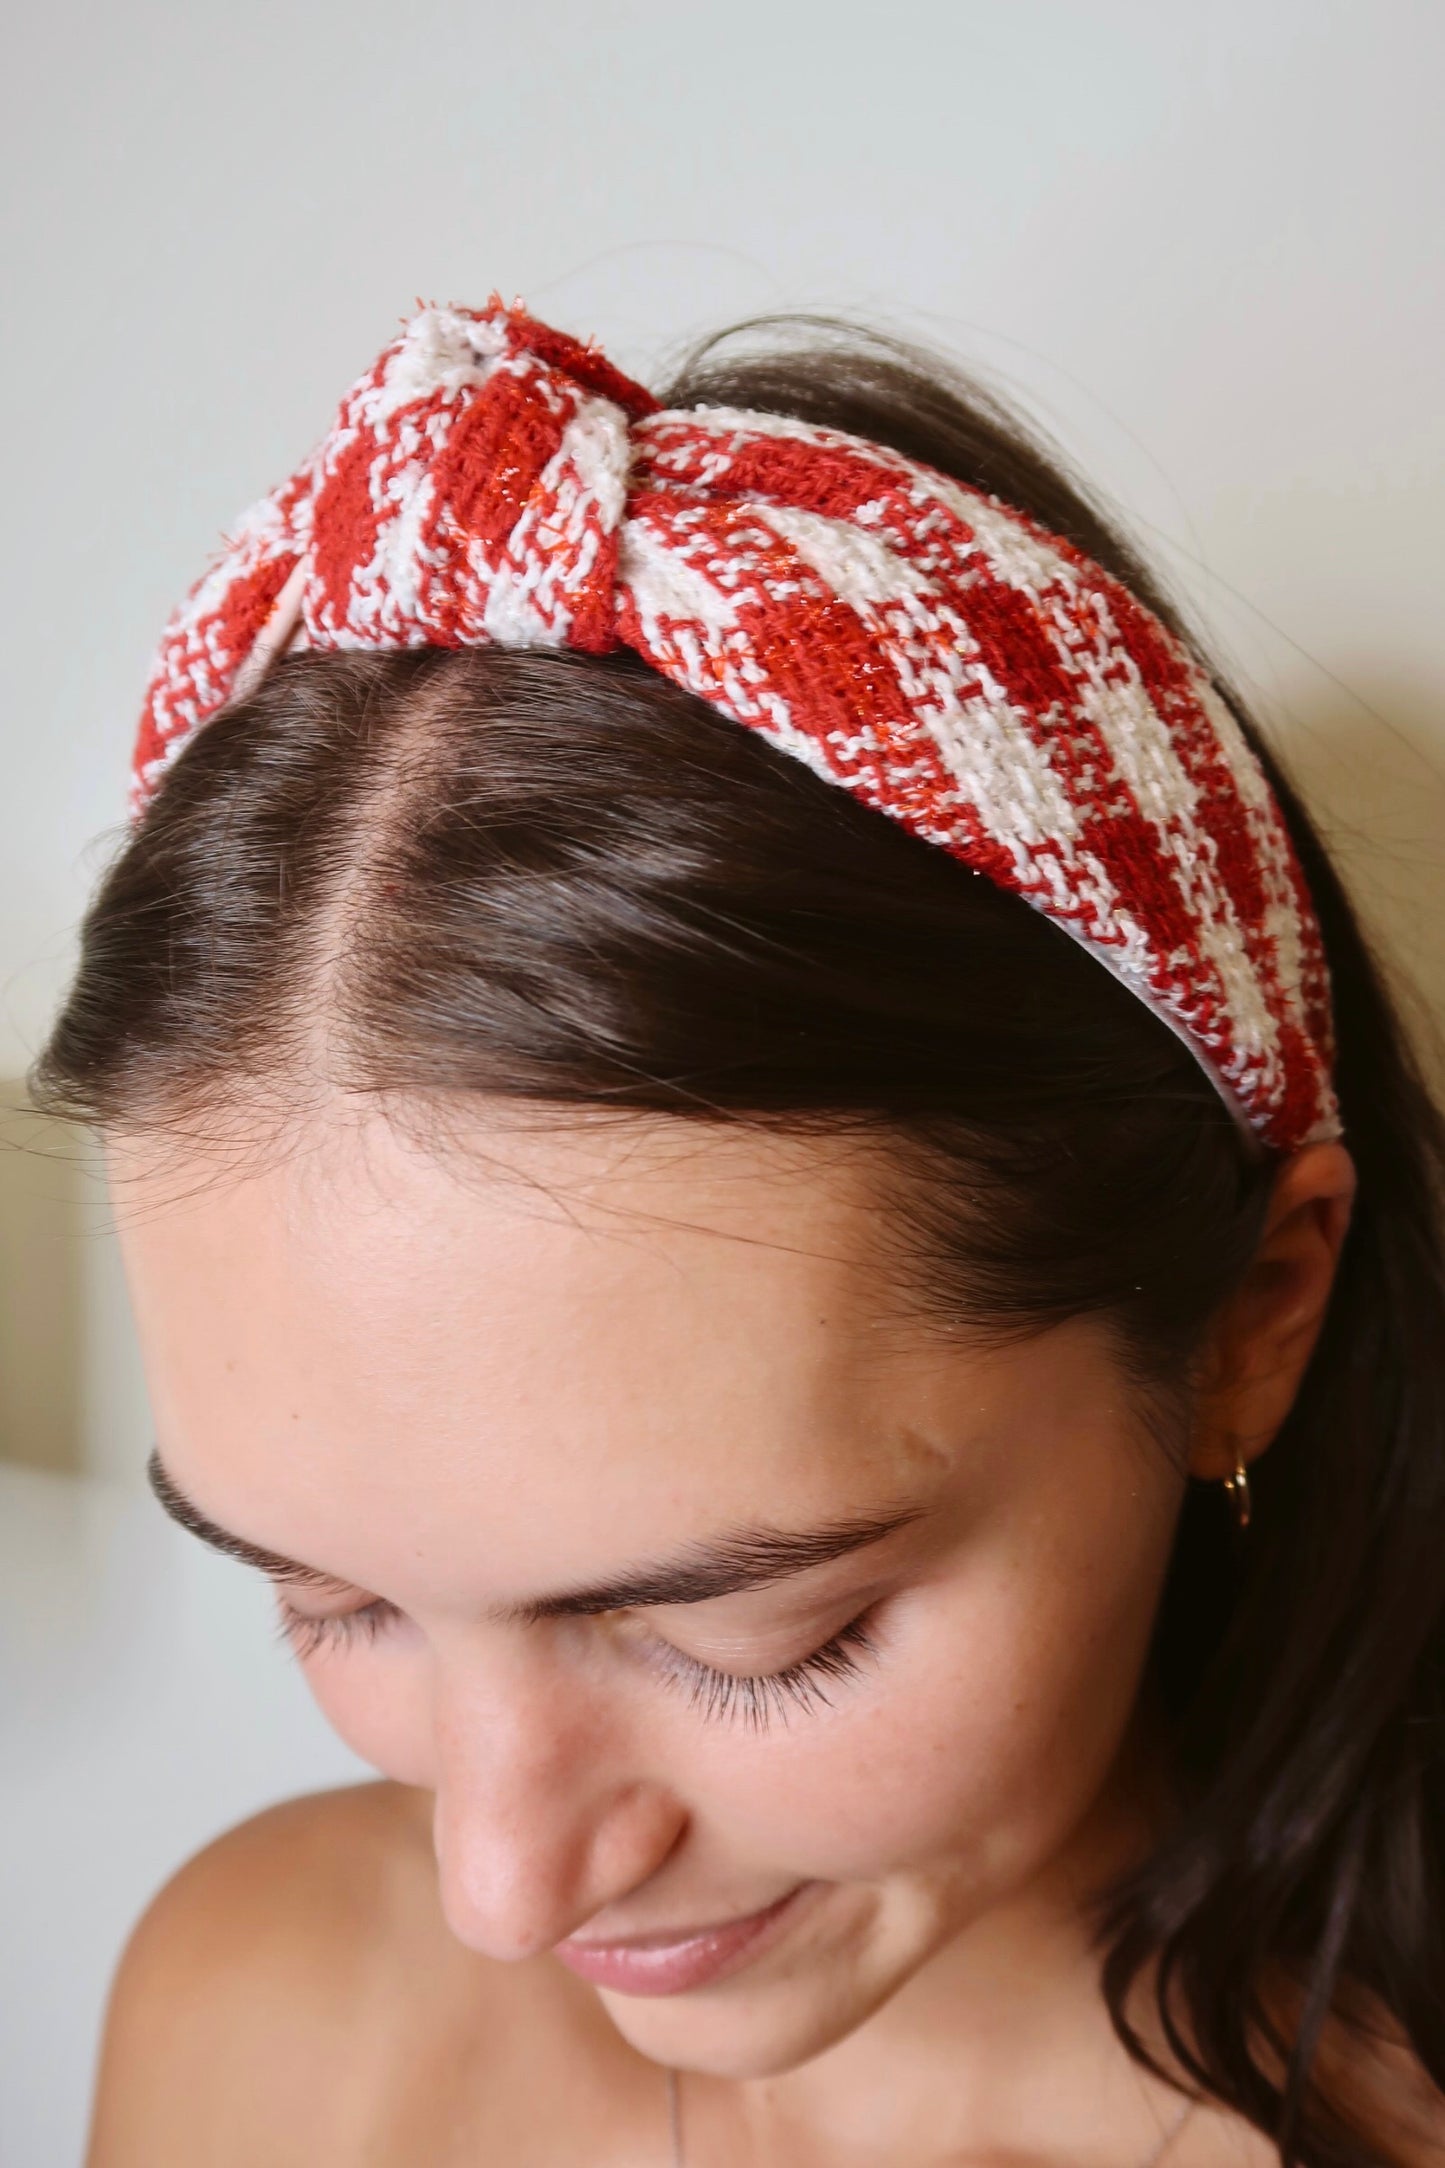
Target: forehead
x,y
561,1318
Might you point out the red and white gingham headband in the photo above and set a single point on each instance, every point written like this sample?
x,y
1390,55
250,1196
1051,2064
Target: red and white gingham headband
x,y
491,481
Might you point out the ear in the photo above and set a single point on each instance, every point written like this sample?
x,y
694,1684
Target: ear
x,y
1264,1333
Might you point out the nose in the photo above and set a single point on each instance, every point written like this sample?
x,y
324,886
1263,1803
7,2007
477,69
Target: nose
x,y
543,1815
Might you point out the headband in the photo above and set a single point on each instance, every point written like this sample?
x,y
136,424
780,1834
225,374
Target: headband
x,y
492,481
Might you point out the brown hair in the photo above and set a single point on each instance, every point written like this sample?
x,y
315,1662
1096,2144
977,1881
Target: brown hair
x,y
560,878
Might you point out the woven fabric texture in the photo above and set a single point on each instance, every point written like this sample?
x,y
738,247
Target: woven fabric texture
x,y
491,480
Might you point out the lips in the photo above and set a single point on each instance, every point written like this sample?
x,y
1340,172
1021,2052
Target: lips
x,y
671,1962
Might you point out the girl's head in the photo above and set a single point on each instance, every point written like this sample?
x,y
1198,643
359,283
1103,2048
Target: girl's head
x,y
743,1318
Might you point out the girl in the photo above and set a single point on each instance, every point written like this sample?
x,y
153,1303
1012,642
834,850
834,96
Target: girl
x,y
874,1489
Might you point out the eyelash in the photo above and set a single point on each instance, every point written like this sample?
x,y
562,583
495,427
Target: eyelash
x,y
724,1696
719,1696
305,1635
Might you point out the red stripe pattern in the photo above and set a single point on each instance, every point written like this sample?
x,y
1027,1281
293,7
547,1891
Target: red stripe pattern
x,y
494,481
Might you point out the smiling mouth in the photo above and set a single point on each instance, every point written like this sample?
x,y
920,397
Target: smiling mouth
x,y
678,1958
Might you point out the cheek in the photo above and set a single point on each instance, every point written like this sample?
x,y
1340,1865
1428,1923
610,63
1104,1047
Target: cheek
x,y
378,1700
974,1744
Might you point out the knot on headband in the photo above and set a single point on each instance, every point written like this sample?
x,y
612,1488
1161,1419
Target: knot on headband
x,y
492,481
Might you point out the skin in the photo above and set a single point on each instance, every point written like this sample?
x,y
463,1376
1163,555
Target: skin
x,y
460,1380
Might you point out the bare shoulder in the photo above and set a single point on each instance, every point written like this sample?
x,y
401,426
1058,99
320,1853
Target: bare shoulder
x,y
274,1950
293,1994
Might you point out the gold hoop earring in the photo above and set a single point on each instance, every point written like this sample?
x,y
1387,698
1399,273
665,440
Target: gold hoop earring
x,y
1237,1487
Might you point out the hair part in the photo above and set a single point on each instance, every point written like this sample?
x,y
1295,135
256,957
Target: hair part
x,y
557,878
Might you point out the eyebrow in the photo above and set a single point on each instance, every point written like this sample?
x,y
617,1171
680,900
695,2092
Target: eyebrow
x,y
726,1565
189,1515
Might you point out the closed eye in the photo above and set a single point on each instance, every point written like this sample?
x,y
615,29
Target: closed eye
x,y
753,1698
757,1697
307,1635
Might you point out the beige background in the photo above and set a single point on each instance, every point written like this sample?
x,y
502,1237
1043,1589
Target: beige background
x,y
1202,244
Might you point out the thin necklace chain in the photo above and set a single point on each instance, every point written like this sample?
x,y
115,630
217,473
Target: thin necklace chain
x,y
674,2117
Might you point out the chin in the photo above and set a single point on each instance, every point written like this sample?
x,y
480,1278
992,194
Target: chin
x,y
739,2030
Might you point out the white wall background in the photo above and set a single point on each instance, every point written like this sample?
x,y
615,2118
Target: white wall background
x,y
1201,243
